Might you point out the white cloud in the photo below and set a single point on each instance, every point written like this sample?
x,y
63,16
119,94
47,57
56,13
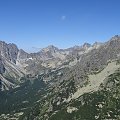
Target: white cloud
x,y
63,17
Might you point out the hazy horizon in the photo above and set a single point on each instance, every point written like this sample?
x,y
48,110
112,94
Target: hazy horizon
x,y
36,49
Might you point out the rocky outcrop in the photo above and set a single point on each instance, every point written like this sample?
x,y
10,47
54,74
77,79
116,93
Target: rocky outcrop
x,y
2,68
9,72
22,54
9,51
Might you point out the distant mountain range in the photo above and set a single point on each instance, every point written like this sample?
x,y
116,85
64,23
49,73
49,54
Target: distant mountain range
x,y
78,83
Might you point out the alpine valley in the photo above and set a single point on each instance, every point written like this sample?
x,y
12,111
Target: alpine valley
x,y
78,83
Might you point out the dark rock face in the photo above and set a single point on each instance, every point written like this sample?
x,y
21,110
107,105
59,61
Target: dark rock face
x,y
0,84
2,68
9,71
86,45
9,51
13,51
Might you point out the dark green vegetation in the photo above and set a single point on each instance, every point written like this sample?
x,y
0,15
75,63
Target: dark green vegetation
x,y
48,104
101,105
38,104
21,98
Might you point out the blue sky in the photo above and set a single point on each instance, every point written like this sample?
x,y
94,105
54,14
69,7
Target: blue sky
x,y
63,23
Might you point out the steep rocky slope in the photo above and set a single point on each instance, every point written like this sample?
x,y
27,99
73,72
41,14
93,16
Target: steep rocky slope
x,y
9,73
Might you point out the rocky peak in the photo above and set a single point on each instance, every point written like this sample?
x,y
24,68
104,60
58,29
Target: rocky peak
x,y
116,37
50,48
9,51
86,45
96,44
114,41
76,47
22,54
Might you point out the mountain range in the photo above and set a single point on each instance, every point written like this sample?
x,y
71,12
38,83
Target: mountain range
x,y
77,83
15,63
